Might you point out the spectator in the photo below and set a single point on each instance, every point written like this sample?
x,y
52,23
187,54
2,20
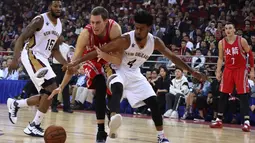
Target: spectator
x,y
10,76
162,85
211,27
179,89
177,39
195,90
189,44
154,78
198,61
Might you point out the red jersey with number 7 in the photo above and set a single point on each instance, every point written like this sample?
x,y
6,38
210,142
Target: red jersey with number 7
x,y
234,54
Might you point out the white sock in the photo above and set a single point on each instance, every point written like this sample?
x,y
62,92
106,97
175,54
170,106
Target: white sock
x,y
161,134
38,117
22,103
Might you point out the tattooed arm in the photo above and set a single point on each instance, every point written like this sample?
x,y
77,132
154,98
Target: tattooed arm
x,y
35,25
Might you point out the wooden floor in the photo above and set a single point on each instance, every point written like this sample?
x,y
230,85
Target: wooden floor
x,y
81,128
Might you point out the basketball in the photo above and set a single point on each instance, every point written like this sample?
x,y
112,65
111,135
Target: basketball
x,y
55,134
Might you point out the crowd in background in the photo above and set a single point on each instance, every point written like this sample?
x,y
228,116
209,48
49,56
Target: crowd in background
x,y
190,28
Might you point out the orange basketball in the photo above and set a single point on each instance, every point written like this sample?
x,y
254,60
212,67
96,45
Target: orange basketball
x,y
55,134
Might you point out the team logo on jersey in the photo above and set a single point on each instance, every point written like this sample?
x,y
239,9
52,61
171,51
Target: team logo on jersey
x,y
133,45
47,23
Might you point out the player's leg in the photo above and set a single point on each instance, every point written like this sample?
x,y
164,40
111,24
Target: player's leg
x,y
151,102
33,128
242,87
13,106
140,92
116,87
99,83
226,87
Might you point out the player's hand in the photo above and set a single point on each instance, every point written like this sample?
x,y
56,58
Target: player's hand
x,y
55,92
64,67
218,75
13,66
73,70
201,77
100,53
70,65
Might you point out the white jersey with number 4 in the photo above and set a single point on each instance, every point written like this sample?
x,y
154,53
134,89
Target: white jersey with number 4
x,y
43,41
135,85
135,56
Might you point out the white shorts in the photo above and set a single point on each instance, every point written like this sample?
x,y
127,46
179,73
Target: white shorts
x,y
33,62
136,88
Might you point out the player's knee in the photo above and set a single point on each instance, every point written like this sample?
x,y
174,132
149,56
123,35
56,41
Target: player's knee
x,y
117,88
223,96
151,102
99,78
50,85
244,99
43,92
99,82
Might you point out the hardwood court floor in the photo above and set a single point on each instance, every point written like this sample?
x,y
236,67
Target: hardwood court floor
x,y
81,128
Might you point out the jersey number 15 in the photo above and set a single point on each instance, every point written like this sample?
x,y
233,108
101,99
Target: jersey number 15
x,y
50,44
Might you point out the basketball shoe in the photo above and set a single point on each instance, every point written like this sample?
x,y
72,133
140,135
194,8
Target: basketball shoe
x,y
163,140
34,130
13,110
246,127
101,137
216,124
114,125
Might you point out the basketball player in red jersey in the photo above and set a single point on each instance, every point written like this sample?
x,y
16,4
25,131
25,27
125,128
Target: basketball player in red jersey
x,y
100,31
234,49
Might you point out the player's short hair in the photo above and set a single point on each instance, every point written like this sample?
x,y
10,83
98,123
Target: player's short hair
x,y
230,23
49,2
143,17
99,10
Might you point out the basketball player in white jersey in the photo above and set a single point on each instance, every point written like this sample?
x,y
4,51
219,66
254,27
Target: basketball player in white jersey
x,y
136,47
42,34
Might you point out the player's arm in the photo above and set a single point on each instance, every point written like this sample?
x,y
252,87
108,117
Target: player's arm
x,y
113,57
160,46
119,44
35,25
220,60
57,54
248,50
220,57
81,43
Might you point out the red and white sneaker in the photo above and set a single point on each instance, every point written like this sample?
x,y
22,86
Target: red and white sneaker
x,y
246,127
216,124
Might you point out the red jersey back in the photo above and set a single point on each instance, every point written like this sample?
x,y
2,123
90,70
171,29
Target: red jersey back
x,y
94,40
235,56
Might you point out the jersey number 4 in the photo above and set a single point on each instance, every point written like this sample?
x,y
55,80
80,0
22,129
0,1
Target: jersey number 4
x,y
131,63
50,44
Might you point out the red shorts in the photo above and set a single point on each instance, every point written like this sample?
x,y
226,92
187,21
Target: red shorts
x,y
93,68
235,78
